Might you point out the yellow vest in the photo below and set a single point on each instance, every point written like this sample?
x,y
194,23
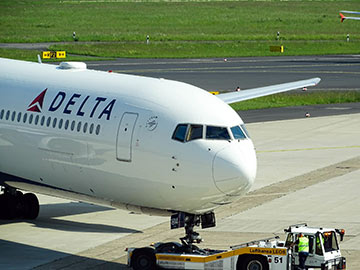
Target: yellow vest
x,y
303,244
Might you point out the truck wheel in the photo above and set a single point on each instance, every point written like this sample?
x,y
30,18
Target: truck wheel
x,y
143,259
253,263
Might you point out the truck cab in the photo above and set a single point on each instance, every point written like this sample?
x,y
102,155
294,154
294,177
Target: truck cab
x,y
324,249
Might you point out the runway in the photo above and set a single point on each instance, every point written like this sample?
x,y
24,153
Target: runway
x,y
308,171
337,72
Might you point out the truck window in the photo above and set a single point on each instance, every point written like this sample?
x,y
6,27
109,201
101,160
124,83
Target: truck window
x,y
319,242
330,242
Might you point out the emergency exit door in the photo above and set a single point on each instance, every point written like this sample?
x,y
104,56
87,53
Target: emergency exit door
x,y
125,136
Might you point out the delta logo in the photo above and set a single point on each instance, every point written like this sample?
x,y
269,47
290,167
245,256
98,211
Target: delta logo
x,y
78,104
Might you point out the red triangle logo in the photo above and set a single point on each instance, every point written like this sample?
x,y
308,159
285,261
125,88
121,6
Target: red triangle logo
x,y
37,103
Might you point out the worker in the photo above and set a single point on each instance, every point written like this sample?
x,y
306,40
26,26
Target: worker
x,y
303,249
319,244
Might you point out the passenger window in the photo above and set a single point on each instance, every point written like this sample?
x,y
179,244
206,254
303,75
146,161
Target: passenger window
x,y
30,118
19,117
1,114
54,122
195,132
217,133
42,120
60,123
72,125
79,127
238,133
25,117
36,119
97,130
180,133
48,121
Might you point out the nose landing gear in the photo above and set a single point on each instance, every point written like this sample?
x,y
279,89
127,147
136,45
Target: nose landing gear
x,y
189,221
16,205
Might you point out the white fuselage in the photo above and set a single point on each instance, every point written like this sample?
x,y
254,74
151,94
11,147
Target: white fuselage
x,y
108,138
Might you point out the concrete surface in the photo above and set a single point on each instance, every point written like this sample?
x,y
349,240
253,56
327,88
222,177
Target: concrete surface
x,y
308,172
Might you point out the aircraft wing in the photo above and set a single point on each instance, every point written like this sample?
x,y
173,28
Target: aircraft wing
x,y
349,18
350,12
266,91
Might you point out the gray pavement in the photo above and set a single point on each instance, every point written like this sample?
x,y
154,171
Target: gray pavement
x,y
338,72
308,172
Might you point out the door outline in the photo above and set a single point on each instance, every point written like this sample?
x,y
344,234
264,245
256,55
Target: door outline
x,y
125,135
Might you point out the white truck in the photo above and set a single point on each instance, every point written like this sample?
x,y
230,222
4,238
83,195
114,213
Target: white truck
x,y
265,254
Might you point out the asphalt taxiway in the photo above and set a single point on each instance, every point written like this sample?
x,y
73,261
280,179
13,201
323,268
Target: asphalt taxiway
x,y
309,170
338,72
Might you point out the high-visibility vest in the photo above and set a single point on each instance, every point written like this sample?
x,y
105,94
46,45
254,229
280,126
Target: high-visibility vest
x,y
303,244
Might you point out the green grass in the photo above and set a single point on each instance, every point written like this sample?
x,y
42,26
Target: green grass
x,y
209,49
31,55
182,28
54,20
298,99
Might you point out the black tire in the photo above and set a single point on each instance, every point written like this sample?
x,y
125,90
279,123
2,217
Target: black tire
x,y
31,206
143,259
9,205
253,263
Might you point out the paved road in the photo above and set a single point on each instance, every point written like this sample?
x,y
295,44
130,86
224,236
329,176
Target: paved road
x,y
337,72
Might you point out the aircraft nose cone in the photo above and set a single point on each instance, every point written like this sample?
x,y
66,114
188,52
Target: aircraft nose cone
x,y
234,168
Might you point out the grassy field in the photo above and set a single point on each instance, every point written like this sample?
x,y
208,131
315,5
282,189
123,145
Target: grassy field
x,y
182,28
298,99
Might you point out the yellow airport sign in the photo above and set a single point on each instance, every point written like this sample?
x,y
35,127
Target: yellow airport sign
x,y
277,49
52,54
60,54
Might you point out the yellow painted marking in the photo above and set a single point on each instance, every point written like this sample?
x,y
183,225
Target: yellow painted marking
x,y
214,92
309,149
221,256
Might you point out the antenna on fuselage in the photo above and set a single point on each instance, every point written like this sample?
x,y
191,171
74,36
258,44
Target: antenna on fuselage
x,y
39,59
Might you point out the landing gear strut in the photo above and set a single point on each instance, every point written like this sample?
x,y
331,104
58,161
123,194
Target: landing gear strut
x,y
189,221
16,205
190,235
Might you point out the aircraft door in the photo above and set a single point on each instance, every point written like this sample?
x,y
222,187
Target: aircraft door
x,y
125,136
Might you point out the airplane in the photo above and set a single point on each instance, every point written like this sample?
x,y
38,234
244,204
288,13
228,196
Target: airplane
x,y
147,145
349,18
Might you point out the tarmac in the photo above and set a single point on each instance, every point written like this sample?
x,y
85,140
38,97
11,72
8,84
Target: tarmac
x,y
308,171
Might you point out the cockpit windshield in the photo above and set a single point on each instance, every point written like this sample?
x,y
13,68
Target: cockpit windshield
x,y
217,133
190,132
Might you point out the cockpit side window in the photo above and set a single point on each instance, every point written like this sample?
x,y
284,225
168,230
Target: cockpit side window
x,y
217,133
194,132
180,132
238,133
245,130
